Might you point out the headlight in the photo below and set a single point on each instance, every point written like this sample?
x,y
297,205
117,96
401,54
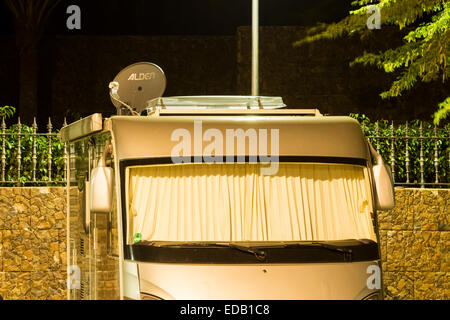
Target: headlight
x,y
373,296
146,296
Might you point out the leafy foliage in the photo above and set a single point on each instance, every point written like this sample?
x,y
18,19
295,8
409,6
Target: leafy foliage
x,y
429,148
425,51
7,111
444,110
32,13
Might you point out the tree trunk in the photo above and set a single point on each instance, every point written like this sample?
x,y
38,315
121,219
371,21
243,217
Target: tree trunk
x,y
28,81
27,41
30,19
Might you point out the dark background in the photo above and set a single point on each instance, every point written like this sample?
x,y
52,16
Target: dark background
x,y
183,17
204,47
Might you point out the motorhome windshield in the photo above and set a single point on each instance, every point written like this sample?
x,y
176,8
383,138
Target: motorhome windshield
x,y
235,202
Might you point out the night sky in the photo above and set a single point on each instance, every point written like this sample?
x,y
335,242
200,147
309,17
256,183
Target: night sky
x,y
183,17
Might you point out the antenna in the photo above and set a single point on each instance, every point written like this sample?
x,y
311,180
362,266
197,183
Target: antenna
x,y
255,47
135,85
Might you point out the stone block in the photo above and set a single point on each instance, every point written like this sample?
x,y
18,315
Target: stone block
x,y
62,239
49,208
48,285
432,212
1,251
25,250
383,245
15,214
431,286
15,285
445,251
33,285
401,217
398,285
413,251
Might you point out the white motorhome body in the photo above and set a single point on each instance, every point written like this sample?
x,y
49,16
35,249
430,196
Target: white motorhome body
x,y
223,202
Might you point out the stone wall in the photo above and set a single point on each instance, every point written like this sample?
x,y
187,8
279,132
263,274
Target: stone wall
x,y
33,243
415,241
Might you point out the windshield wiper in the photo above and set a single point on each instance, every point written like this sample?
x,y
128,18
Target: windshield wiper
x,y
346,252
259,254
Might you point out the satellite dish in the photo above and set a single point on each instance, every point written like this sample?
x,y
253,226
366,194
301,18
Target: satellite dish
x,y
135,85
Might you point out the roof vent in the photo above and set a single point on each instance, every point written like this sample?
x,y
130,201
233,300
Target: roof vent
x,y
215,103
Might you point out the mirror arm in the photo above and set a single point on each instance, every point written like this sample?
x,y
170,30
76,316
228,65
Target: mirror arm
x,y
108,150
375,154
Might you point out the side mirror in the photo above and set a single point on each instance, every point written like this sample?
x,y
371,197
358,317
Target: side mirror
x,y
101,187
384,183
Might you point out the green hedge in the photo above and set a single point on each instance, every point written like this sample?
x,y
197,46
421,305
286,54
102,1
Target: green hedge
x,y
413,147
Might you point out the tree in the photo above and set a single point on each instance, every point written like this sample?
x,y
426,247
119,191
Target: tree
x,y
424,53
30,20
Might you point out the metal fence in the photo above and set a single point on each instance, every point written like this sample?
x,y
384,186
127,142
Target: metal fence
x,y
29,158
416,159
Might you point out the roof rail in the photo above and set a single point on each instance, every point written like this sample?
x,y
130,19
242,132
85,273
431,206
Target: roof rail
x,y
236,112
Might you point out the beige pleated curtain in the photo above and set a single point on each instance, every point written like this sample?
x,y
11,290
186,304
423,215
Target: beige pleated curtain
x,y
234,202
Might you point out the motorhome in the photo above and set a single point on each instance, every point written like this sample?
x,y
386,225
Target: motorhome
x,y
223,197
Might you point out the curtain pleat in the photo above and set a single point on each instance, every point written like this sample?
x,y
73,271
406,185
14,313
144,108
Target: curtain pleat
x,y
235,202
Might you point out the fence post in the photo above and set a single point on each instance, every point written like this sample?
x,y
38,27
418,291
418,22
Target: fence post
x,y
392,151
3,150
34,156
66,159
436,156
19,151
422,179
407,152
49,160
377,136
